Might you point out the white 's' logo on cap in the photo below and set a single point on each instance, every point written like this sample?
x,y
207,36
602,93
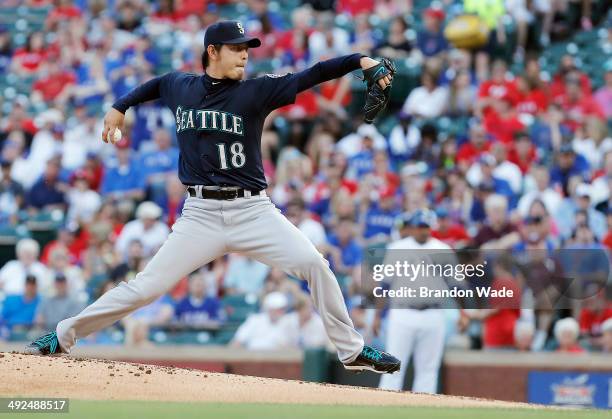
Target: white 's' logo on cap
x,y
240,28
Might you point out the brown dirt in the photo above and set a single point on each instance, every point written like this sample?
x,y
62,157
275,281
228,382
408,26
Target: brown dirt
x,y
77,378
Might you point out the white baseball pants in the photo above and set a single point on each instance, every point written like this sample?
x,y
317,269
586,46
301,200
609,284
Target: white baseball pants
x,y
206,230
418,333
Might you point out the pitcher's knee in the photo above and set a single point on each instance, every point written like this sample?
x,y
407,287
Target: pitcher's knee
x,y
310,261
139,293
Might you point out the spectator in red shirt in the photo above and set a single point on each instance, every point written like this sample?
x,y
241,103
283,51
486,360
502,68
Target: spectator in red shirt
x,y
470,151
593,313
19,120
532,96
355,7
184,8
522,152
28,59
337,91
451,233
69,238
64,11
306,106
566,333
501,119
292,46
383,176
500,319
55,85
498,86
334,187
263,29
95,170
558,85
165,12
577,104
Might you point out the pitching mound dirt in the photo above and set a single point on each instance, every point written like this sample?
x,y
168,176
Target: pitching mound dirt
x,y
62,376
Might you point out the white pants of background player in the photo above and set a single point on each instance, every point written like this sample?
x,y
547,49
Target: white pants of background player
x,y
418,333
206,230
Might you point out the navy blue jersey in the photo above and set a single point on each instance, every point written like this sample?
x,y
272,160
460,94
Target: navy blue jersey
x,y
219,132
219,121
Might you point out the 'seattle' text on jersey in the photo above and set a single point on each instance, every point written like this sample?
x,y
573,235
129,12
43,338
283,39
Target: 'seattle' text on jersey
x,y
208,119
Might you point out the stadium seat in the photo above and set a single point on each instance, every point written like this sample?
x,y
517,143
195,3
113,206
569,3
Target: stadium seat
x,y
238,307
239,314
181,337
233,11
8,15
43,226
225,335
9,236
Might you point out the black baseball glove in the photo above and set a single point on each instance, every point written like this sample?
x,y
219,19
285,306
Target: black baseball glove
x,y
377,97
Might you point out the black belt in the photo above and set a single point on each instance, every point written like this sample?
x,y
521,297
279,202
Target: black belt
x,y
227,193
427,307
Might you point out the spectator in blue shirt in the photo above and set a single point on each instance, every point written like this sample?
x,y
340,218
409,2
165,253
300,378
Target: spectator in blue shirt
x,y
19,310
48,192
569,164
124,78
198,309
142,54
543,129
584,258
158,165
481,193
380,217
500,186
123,179
577,209
148,117
362,163
343,248
431,40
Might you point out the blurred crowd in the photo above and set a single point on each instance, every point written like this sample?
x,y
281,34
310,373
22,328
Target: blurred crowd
x,y
523,160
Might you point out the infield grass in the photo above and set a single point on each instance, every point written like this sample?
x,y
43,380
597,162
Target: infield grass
x,y
164,410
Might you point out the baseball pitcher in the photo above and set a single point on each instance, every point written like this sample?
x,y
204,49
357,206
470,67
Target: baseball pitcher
x,y
219,121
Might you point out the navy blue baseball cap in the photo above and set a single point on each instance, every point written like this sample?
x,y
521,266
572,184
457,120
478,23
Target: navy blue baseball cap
x,y
228,32
419,218
423,218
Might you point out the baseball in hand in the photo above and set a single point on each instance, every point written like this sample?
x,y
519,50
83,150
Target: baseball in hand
x,y
116,136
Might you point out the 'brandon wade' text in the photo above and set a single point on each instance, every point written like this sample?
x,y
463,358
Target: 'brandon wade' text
x,y
424,292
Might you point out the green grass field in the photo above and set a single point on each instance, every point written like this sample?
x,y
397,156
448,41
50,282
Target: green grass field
x,y
152,410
